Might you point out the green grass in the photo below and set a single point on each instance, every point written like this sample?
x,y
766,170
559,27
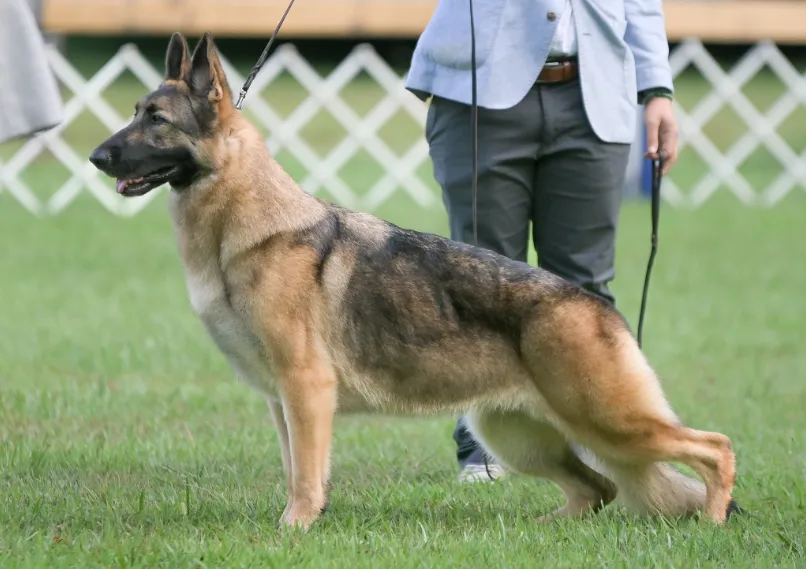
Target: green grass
x,y
125,441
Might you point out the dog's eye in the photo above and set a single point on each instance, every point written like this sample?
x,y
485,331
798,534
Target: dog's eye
x,y
157,119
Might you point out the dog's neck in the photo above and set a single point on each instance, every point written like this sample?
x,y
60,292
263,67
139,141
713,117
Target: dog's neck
x,y
246,199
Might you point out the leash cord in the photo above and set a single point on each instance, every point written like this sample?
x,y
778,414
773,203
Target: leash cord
x,y
261,60
474,117
474,120
657,174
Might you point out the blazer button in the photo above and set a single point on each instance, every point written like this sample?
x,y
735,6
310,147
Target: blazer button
x,y
551,16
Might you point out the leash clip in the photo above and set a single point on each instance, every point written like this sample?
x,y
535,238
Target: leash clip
x,y
241,97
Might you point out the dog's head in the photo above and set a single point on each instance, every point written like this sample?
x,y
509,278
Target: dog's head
x,y
170,137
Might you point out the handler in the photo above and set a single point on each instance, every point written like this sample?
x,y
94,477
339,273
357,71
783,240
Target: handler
x,y
558,84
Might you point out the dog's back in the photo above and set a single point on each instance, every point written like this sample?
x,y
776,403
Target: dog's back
x,y
419,322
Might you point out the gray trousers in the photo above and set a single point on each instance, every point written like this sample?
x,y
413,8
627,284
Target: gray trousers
x,y
539,164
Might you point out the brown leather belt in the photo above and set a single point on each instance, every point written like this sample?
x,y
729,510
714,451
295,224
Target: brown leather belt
x,y
559,71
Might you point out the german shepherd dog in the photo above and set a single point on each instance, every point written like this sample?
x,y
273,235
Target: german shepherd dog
x,y
322,309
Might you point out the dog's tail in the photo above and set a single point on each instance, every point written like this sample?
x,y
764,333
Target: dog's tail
x,y
659,488
652,488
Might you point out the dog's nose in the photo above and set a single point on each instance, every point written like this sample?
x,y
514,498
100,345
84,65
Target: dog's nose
x,y
100,157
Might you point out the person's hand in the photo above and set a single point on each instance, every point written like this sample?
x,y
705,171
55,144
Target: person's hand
x,y
661,131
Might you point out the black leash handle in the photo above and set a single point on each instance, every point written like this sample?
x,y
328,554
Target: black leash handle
x,y
657,174
261,60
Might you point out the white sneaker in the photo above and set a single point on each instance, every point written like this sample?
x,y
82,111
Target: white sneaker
x,y
480,473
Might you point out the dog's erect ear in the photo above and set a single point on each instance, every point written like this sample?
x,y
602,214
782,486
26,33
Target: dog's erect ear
x,y
207,77
177,58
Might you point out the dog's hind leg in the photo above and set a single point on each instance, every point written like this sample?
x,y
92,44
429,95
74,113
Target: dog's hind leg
x,y
648,487
531,447
635,438
590,371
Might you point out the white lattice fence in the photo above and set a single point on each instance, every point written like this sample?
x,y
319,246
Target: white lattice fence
x,y
400,169
726,90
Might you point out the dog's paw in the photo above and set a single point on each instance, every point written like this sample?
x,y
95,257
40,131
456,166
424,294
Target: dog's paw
x,y
733,508
301,516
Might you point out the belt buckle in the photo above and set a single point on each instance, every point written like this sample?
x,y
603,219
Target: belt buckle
x,y
550,65
553,65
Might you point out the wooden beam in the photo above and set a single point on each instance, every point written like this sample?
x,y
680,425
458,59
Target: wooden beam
x,y
396,18
194,17
714,20
737,21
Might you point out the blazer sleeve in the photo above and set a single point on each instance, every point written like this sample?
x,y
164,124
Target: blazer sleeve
x,y
646,36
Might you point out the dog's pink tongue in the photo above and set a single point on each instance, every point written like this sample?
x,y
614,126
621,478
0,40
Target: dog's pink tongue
x,y
121,185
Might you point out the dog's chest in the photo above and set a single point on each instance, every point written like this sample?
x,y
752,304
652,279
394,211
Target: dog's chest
x,y
228,330
199,250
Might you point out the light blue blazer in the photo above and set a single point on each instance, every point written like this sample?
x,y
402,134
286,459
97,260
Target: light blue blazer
x,y
622,49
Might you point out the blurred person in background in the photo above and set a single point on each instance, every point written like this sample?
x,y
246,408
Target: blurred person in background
x,y
30,101
558,84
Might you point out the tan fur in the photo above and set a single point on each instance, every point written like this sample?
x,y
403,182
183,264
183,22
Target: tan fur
x,y
573,400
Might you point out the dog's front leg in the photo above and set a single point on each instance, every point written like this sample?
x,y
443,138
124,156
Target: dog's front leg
x,y
278,417
309,405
